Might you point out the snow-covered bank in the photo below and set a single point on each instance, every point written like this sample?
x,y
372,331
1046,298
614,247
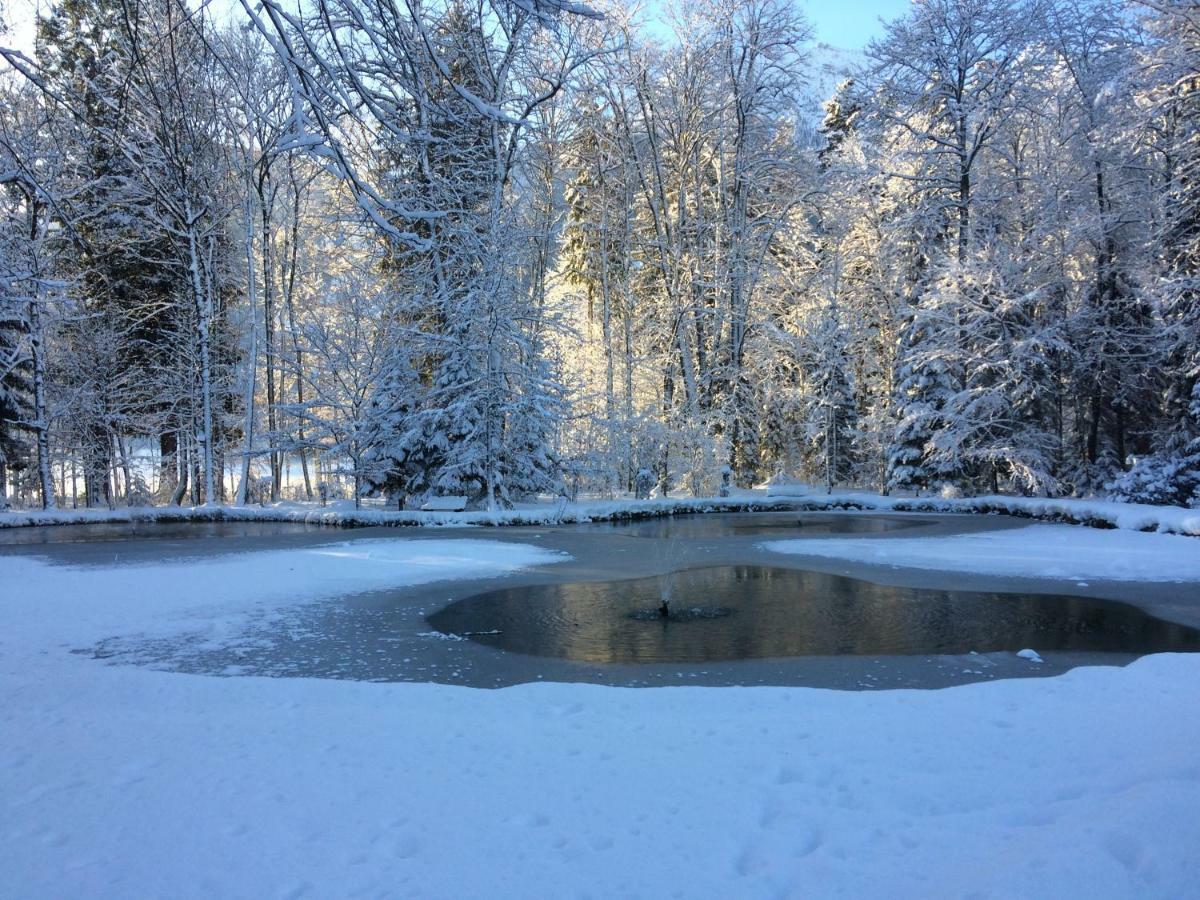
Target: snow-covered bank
x,y
1095,513
344,515
1052,551
118,781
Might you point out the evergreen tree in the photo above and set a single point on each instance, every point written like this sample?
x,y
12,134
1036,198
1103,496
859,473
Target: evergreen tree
x,y
992,428
924,383
120,266
1171,474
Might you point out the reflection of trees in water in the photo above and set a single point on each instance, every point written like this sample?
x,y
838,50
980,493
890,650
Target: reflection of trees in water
x,y
781,612
706,525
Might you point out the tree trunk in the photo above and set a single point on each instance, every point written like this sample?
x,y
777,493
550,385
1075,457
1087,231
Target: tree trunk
x,y
1093,437
265,200
248,438
194,464
630,468
181,480
123,453
41,422
168,464
964,191
606,325
290,305
42,425
204,434
664,472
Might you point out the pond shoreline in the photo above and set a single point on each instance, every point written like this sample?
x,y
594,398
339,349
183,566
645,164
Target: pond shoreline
x,y
1090,513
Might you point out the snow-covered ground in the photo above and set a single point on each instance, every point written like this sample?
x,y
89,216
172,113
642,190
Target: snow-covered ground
x,y
1054,551
120,781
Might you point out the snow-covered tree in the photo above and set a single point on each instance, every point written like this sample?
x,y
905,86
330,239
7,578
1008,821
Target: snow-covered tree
x,y
474,248
992,425
451,94
30,179
1171,98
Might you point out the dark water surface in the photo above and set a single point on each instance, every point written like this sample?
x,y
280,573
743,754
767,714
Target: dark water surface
x,y
96,532
794,524
758,612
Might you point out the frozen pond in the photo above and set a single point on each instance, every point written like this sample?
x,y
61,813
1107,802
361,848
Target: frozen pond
x,y
758,612
739,613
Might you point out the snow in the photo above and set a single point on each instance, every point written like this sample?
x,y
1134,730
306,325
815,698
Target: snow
x,y
1102,513
1029,654
1096,513
1055,551
778,495
121,781
217,595
1090,511
343,513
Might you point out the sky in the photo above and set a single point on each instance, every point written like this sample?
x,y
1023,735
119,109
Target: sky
x,y
842,23
851,23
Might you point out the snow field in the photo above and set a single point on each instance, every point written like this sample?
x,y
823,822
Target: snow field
x,y
129,783
119,781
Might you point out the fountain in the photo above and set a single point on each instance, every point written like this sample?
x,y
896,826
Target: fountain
x,y
755,612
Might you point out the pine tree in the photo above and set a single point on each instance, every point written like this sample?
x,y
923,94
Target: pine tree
x,y
30,180
1171,474
924,383
992,424
16,386
86,53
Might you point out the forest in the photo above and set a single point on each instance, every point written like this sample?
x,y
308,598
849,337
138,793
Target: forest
x,y
510,248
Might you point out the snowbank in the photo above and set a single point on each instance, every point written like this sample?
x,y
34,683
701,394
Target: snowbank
x,y
1052,551
777,497
344,515
1096,513
119,781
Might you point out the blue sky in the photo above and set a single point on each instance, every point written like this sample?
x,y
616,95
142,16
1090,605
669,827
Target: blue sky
x,y
850,23
843,23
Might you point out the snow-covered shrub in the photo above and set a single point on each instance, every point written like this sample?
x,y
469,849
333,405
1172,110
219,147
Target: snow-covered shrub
x,y
1160,480
138,492
643,484
1083,479
781,485
698,454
